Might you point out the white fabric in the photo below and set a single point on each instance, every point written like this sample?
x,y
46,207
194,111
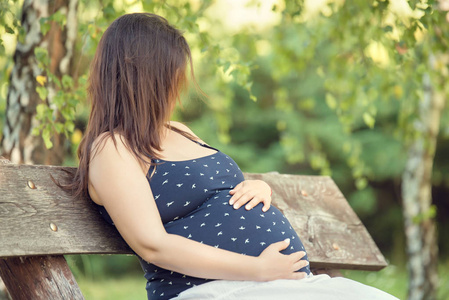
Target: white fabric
x,y
314,288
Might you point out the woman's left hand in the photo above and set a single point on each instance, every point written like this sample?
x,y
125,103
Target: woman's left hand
x,y
251,193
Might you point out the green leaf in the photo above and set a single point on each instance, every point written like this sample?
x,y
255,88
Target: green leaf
x,y
46,134
59,127
226,66
368,119
53,78
388,28
82,80
361,183
70,126
9,29
363,201
331,101
59,18
109,11
48,143
2,48
426,215
45,25
42,55
35,131
58,99
67,81
40,110
42,91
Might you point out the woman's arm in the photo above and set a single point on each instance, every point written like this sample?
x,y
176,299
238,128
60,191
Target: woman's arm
x,y
119,182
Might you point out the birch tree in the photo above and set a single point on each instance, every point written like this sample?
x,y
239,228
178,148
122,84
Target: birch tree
x,y
418,210
55,46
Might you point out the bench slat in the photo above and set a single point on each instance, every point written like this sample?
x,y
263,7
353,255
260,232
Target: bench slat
x,y
27,215
330,230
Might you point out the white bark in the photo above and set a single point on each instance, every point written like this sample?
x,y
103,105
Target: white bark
x,y
17,143
23,84
420,229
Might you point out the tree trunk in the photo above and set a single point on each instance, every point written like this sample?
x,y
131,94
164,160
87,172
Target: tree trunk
x,y
420,228
18,145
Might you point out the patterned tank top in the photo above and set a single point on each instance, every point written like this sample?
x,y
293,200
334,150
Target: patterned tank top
x,y
192,197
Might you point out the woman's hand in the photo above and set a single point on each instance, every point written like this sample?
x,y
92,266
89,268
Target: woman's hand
x,y
251,193
276,265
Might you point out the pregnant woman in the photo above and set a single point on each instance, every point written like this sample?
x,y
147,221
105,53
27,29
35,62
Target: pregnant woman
x,y
200,230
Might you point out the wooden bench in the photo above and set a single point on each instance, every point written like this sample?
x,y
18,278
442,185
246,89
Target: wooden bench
x,y
39,224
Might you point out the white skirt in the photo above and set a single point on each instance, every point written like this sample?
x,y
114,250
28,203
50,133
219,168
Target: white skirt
x,y
315,287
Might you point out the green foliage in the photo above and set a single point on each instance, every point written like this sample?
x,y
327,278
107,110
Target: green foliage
x,y
429,214
337,93
57,18
56,115
60,96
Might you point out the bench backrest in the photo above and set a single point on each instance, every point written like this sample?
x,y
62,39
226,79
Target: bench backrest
x,y
38,218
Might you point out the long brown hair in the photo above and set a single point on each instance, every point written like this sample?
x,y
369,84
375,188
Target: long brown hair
x,y
136,77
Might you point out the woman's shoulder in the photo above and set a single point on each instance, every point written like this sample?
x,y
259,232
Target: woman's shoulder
x,y
110,147
110,155
107,142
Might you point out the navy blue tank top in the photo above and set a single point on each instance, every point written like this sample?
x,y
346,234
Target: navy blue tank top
x,y
192,197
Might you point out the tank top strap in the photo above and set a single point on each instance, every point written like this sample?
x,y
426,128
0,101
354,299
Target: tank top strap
x,y
200,143
205,145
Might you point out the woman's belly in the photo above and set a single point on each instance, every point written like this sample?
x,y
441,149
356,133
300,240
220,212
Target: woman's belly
x,y
193,201
218,224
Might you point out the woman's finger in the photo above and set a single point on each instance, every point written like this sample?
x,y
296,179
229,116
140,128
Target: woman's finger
x,y
256,200
279,246
235,197
296,256
239,194
300,264
236,188
298,275
242,200
266,205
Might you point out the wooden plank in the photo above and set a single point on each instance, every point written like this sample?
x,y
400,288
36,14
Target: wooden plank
x,y
331,232
39,278
45,220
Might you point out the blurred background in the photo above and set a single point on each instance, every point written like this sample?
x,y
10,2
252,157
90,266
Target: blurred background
x,y
353,89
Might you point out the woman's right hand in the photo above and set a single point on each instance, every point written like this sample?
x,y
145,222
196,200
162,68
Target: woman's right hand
x,y
276,265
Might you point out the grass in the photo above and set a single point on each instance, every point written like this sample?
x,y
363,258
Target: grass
x,y
123,288
392,279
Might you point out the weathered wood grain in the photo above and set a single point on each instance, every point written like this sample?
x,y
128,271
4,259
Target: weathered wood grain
x,y
44,220
331,232
39,278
